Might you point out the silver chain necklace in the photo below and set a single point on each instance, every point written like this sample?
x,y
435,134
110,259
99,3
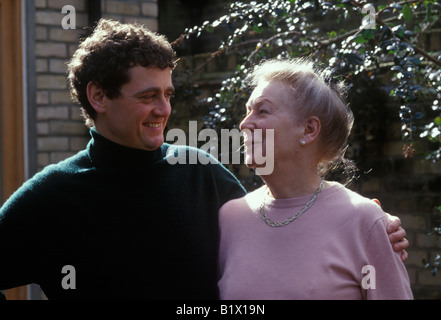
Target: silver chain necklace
x,y
295,216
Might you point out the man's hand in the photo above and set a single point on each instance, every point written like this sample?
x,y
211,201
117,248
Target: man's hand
x,y
397,235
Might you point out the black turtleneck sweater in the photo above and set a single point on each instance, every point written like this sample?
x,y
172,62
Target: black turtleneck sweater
x,y
129,223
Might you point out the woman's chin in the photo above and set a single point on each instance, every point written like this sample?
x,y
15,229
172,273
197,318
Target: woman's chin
x,y
250,163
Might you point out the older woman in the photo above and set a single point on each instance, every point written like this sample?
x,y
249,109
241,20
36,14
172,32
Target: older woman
x,y
299,236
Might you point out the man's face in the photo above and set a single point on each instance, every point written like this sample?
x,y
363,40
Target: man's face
x,y
137,118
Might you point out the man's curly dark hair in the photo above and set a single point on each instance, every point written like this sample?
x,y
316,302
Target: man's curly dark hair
x,y
106,56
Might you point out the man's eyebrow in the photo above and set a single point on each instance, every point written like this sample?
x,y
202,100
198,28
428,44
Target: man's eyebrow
x,y
153,89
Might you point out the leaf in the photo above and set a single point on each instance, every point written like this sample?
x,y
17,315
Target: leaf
x,y
368,34
413,60
406,46
398,30
360,39
354,58
428,13
418,116
396,5
257,29
407,13
408,33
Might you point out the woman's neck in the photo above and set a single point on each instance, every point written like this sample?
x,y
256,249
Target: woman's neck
x,y
292,181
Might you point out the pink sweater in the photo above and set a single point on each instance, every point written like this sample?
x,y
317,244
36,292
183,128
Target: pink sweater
x,y
320,255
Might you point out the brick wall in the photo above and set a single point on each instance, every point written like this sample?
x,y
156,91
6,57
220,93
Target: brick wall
x,y
145,12
60,128
408,187
411,189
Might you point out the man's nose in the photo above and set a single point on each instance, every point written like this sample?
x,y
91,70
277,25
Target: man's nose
x,y
163,109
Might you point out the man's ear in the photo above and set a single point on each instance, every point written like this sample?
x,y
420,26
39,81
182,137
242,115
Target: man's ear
x,y
312,127
96,96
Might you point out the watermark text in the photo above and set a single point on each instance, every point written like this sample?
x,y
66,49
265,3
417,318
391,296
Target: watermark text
x,y
70,19
259,147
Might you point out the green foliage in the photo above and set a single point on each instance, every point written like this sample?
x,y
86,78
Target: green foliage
x,y
337,35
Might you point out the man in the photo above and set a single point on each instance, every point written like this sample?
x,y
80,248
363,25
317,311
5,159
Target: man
x,y
117,220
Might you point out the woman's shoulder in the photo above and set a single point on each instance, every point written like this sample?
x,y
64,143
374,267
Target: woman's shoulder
x,y
353,203
251,200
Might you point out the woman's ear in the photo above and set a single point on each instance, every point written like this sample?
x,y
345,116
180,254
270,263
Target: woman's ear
x,y
96,96
312,127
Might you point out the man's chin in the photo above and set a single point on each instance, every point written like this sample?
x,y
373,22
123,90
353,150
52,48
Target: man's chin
x,y
153,145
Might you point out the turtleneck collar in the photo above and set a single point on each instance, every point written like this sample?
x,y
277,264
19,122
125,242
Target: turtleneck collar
x,y
106,153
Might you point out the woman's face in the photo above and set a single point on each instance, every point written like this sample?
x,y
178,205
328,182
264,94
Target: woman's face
x,y
270,109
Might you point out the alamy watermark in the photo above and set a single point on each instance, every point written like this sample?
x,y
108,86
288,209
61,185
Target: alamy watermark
x,y
261,156
69,281
368,21
259,147
70,19
368,281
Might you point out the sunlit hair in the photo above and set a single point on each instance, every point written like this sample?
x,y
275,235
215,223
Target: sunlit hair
x,y
314,93
106,56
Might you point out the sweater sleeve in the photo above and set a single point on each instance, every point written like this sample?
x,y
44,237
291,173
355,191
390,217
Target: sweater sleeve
x,y
17,239
26,233
228,186
384,276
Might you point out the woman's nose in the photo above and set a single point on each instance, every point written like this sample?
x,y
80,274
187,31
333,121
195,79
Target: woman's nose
x,y
246,123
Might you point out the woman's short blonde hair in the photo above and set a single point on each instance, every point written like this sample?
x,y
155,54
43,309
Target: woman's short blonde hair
x,y
314,93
